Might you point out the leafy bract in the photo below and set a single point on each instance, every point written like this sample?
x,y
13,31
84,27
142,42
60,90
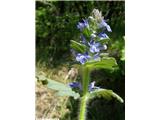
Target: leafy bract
x,y
87,32
78,46
104,55
103,41
104,93
107,63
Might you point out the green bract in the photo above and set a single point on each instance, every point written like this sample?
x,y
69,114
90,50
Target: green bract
x,y
107,63
78,46
104,93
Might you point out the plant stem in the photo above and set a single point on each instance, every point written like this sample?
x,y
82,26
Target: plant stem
x,y
85,79
82,115
85,83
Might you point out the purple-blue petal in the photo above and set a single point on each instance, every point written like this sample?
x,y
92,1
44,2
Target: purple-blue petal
x,y
103,24
108,28
82,58
82,25
94,47
92,86
103,36
96,57
75,85
83,39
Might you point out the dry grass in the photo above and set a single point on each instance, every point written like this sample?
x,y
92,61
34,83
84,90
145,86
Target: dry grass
x,y
49,106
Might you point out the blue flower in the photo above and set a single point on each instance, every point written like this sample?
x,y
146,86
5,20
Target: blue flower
x,y
82,58
94,47
75,85
83,39
82,25
96,57
92,87
103,36
103,24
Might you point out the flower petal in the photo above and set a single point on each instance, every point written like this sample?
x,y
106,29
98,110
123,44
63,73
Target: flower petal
x,y
75,85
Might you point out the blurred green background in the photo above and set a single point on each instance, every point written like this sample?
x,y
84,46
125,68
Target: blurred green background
x,y
56,25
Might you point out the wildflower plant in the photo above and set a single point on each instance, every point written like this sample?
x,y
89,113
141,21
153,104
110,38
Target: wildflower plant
x,y
90,53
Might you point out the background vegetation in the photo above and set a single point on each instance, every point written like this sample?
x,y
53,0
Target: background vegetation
x,y
55,26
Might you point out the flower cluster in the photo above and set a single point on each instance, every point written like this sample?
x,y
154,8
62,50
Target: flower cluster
x,y
93,36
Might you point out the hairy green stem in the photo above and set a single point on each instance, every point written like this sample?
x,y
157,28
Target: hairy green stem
x,y
85,79
85,83
82,115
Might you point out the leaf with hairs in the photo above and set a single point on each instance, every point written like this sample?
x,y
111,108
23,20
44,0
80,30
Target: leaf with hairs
x,y
104,93
62,89
107,63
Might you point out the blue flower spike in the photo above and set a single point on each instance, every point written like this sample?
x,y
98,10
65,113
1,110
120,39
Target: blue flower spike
x,y
92,44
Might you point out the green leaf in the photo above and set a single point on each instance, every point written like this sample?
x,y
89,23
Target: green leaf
x,y
103,41
104,93
106,63
78,46
104,55
87,32
63,90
